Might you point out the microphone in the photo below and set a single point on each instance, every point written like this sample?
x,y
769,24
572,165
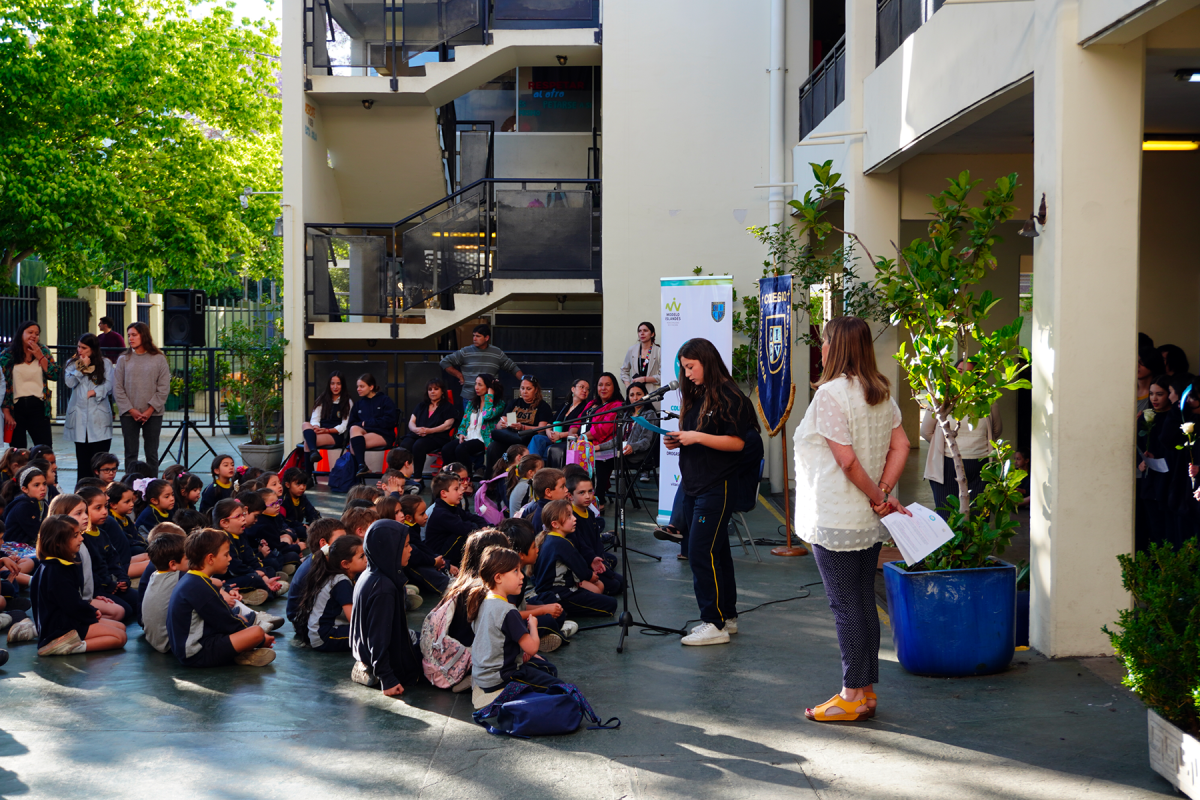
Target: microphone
x,y
661,391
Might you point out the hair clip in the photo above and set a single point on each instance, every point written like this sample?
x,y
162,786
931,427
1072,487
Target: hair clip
x,y
140,485
325,549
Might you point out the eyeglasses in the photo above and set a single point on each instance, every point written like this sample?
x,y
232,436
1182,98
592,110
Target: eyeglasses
x,y
112,470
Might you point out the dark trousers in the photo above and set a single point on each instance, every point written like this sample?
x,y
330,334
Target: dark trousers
x,y
85,451
427,579
421,446
535,672
502,439
582,603
849,578
604,471
705,527
464,452
31,419
949,485
149,431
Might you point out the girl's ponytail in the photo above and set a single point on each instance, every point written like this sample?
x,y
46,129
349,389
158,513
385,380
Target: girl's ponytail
x,y
326,562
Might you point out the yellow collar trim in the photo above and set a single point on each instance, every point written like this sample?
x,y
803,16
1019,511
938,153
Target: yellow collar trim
x,y
120,517
223,485
494,596
62,561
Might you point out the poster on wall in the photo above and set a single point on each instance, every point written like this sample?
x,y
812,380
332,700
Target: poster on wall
x,y
691,308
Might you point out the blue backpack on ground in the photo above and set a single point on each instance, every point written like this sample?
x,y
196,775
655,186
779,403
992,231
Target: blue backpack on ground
x,y
522,711
344,474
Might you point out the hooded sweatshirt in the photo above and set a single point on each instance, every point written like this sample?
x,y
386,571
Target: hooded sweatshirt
x,y
379,635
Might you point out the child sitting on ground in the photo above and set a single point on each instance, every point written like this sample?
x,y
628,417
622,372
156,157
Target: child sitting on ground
x,y
24,514
296,509
561,574
65,622
244,570
553,627
362,492
170,563
449,522
384,649
586,536
98,582
121,501
426,569
188,488
322,532
505,644
160,505
270,534
520,479
357,520
221,488
202,629
326,606
114,583
468,576
548,484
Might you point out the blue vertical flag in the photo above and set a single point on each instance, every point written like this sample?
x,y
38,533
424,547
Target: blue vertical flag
x,y
775,389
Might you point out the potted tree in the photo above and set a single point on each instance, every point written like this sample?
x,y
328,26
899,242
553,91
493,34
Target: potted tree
x,y
1159,641
254,384
953,613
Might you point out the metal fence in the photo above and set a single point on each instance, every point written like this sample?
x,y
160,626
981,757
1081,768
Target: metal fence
x,y
824,89
115,310
219,316
73,315
15,310
896,20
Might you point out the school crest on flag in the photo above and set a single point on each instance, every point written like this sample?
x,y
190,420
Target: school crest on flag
x,y
775,390
718,312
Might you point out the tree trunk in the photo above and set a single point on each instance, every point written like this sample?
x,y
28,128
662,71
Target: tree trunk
x,y
960,470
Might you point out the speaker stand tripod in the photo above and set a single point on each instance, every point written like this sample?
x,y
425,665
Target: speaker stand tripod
x,y
181,433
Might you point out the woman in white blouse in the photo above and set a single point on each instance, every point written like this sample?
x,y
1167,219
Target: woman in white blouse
x,y
850,450
327,425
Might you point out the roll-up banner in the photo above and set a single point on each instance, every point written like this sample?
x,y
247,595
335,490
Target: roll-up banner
x,y
691,308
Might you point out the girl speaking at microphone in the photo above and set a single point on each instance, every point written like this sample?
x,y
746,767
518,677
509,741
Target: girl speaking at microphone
x,y
714,419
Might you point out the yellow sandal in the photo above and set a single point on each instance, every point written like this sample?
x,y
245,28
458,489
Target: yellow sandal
x,y
850,712
870,713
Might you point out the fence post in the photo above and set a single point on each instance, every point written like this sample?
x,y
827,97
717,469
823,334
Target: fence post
x,y
47,319
130,309
97,300
156,317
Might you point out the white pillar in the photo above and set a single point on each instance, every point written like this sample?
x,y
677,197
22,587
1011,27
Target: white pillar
x,y
775,195
292,76
47,320
1088,108
131,315
97,300
156,318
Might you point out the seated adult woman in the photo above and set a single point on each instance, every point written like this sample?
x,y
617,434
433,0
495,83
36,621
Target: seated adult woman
x,y
534,416
552,445
477,423
372,421
642,362
430,425
330,419
639,444
602,432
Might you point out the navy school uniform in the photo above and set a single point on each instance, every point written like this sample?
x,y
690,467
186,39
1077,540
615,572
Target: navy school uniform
x,y
535,515
422,570
199,623
58,606
376,414
270,528
326,628
298,512
379,635
106,572
557,574
448,529
13,606
244,564
129,529
214,493
546,623
586,538
296,588
150,517
120,545
22,518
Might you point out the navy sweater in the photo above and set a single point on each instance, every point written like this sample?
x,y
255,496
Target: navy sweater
x,y
448,529
112,529
195,601
213,494
149,518
376,414
296,588
559,567
104,578
421,555
271,528
298,512
586,536
58,606
22,518
129,529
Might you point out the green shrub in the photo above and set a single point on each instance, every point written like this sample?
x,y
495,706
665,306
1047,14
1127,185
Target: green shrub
x,y
1159,639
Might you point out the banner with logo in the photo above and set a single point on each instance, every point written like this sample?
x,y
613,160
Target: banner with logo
x,y
775,389
691,308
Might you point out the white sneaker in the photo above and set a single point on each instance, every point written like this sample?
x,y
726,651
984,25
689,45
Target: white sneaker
x,y
549,643
570,628
705,633
270,622
412,601
361,674
462,685
5,620
410,589
731,626
65,645
23,631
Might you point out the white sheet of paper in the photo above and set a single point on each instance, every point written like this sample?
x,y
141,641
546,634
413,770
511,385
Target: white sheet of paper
x,y
919,535
1156,464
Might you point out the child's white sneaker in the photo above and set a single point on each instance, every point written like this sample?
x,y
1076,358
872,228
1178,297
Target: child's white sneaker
x,y
67,644
549,643
360,674
255,597
570,628
23,631
705,633
410,589
268,622
5,620
258,657
462,685
480,698
412,601
731,626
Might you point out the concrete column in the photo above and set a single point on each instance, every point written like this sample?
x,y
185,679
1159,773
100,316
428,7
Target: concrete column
x,y
156,318
97,300
131,315
292,76
47,320
1088,110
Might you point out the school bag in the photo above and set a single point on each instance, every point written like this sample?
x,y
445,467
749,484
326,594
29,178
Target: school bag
x,y
294,459
445,660
744,483
344,474
523,711
583,454
487,507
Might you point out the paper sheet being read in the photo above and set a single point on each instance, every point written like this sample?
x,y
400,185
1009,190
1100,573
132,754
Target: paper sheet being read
x,y
919,535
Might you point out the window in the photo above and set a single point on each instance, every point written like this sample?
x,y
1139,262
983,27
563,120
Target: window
x,y
556,99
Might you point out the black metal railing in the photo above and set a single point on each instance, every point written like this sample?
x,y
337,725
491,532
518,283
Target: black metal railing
x,y
896,20
495,227
15,310
115,310
824,89
73,316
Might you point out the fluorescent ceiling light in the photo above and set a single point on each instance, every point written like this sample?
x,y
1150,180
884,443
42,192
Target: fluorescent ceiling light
x,y
1188,75
1169,145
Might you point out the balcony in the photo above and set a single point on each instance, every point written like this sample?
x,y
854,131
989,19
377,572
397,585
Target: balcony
x,y
896,20
824,89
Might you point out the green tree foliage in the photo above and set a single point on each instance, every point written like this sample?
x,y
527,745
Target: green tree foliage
x,y
128,128
256,377
1159,640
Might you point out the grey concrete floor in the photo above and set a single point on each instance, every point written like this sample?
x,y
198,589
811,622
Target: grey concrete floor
x,y
719,722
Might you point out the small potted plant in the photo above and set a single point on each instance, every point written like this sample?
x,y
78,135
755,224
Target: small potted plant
x,y
254,385
954,612
1159,641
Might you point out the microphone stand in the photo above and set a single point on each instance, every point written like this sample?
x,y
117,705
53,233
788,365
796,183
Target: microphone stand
x,y
625,621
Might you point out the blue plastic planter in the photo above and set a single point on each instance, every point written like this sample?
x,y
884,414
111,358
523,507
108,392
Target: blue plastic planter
x,y
953,623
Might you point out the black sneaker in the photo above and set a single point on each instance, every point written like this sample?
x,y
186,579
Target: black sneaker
x,y
363,470
668,534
